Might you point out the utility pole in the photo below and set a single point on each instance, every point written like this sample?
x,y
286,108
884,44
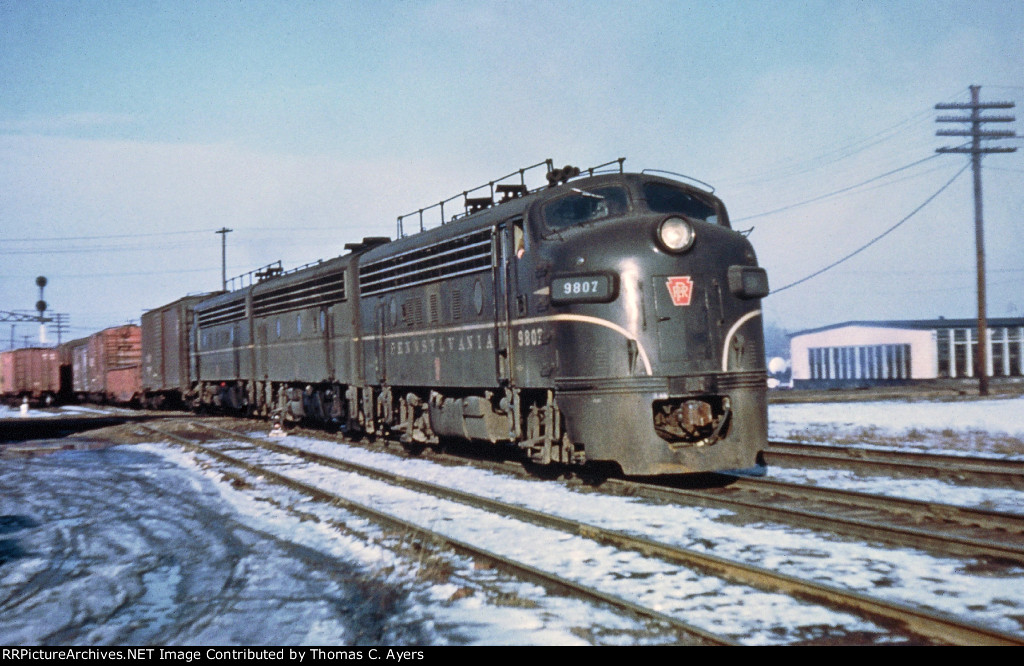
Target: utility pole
x,y
976,150
224,231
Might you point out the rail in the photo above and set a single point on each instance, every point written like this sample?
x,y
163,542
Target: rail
x,y
961,470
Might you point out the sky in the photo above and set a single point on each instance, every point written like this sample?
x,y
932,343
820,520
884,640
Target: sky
x,y
131,131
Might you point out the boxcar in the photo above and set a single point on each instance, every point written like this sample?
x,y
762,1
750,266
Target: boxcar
x,y
111,364
32,373
167,371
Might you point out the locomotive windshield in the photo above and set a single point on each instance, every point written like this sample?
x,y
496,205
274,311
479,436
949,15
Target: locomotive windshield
x,y
585,206
662,198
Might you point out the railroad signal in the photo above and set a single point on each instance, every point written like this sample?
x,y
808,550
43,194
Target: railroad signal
x,y
41,307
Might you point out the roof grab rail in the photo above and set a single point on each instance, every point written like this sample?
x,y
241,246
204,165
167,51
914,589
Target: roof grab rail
x,y
508,191
254,276
473,204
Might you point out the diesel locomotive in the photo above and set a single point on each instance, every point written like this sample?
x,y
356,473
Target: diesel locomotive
x,y
605,316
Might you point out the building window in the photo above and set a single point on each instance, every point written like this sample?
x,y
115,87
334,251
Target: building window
x,y
942,351
997,352
1015,339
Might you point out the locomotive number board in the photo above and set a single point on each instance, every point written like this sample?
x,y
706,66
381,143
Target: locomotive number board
x,y
595,288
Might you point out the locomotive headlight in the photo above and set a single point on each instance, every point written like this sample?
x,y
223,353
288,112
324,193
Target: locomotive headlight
x,y
676,234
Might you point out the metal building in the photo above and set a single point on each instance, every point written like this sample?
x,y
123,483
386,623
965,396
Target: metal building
x,y
871,353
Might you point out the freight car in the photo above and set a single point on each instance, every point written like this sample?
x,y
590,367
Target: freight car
x,y
74,370
605,317
105,367
32,373
168,371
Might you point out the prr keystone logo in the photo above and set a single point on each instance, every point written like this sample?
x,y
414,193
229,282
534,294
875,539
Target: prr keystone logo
x,y
680,288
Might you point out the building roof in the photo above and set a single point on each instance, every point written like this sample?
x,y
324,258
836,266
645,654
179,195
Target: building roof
x,y
918,324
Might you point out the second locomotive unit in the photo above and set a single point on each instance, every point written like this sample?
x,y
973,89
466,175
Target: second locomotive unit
x,y
608,316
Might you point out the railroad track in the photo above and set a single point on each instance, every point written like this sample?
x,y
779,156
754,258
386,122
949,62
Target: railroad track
x,y
912,624
966,470
553,582
939,528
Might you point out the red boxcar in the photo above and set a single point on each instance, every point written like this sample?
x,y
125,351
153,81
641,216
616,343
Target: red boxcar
x,y
32,372
107,368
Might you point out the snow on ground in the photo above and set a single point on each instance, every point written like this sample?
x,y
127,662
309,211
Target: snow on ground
x,y
964,427
706,601
142,545
900,575
967,427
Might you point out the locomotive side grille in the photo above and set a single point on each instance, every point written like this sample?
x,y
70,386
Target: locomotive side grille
x,y
458,256
412,311
223,314
435,309
319,291
456,304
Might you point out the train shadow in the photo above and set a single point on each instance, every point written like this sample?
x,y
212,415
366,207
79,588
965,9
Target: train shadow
x,y
592,474
54,427
693,481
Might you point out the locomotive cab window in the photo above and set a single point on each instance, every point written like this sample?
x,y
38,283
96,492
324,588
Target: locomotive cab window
x,y
518,238
662,198
584,206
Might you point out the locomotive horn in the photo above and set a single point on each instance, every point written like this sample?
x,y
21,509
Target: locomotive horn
x,y
558,176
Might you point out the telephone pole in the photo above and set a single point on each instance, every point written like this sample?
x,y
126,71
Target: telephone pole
x,y
976,150
223,231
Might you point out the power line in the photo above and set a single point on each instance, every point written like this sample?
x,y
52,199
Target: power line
x,y
793,167
876,238
124,274
836,192
61,239
110,248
